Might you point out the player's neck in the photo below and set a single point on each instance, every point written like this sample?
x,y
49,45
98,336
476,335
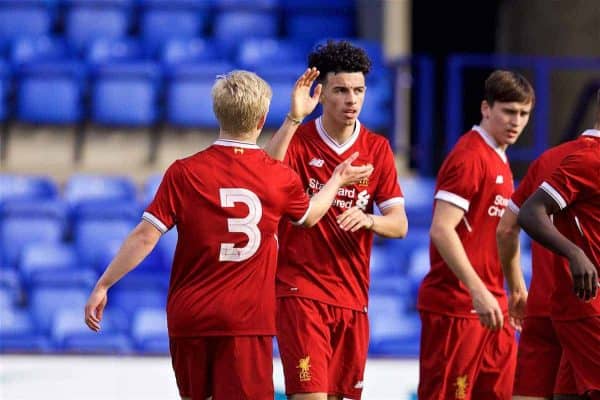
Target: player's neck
x,y
339,133
246,137
486,129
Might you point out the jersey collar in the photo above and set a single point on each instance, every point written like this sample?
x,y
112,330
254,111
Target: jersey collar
x,y
333,145
592,132
235,143
490,142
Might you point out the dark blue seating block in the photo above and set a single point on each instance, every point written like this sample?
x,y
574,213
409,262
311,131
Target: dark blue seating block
x,y
102,343
18,232
39,49
149,330
130,299
21,187
40,84
190,51
401,249
84,187
126,94
27,343
313,27
107,50
10,286
102,209
86,23
252,5
268,52
159,25
23,18
325,7
167,245
150,187
46,208
93,238
231,27
45,303
15,322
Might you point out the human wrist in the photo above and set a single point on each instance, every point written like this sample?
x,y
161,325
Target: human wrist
x,y
293,119
370,223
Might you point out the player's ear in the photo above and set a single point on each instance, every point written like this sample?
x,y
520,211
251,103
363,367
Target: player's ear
x,y
261,122
485,109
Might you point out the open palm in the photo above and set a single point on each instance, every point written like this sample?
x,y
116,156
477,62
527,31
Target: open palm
x,y
302,102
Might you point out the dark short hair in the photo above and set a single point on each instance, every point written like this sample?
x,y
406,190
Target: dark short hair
x,y
340,56
508,87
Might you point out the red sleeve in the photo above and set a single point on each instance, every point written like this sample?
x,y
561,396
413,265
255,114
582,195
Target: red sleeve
x,y
388,191
576,178
528,185
163,210
297,201
459,179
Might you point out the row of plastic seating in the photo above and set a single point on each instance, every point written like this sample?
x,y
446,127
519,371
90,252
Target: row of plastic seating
x,y
228,22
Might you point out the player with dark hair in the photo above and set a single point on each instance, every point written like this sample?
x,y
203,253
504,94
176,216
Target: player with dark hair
x,y
323,274
467,352
221,301
571,194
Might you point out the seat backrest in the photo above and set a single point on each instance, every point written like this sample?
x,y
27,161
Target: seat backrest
x,y
19,19
231,27
20,231
82,187
22,187
45,303
258,52
47,256
84,24
318,27
189,50
93,237
157,26
38,48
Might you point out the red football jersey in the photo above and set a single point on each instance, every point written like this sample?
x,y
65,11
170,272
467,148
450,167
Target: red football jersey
x,y
475,177
226,202
325,263
543,261
575,186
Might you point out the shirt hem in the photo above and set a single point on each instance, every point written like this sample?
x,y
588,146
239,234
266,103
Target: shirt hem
x,y
331,303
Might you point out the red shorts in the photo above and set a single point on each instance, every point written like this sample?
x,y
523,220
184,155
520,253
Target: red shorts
x,y
226,367
460,359
323,348
538,359
580,340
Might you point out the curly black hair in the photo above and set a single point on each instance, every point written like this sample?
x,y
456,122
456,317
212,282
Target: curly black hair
x,y
338,57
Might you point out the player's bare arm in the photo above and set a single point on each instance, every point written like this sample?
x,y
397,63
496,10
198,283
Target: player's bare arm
x,y
393,222
507,240
344,174
302,104
533,218
135,248
444,237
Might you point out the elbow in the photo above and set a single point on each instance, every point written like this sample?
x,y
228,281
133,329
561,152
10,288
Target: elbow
x,y
436,232
504,232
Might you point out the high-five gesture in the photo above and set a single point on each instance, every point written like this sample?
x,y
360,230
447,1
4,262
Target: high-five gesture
x,y
302,102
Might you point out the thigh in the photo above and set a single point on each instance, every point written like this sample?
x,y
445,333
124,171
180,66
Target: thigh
x,y
451,353
243,368
191,361
580,340
304,344
495,378
538,359
566,384
350,343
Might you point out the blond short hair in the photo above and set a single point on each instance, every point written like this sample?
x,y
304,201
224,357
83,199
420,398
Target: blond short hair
x,y
240,100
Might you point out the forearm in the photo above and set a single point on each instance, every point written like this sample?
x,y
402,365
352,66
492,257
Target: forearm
x,y
393,225
448,244
279,142
507,241
322,200
132,252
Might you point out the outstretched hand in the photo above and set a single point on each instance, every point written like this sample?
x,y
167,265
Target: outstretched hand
x,y
350,174
302,102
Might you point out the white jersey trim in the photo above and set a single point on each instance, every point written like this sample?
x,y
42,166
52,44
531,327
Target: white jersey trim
x,y
452,198
332,144
394,201
592,132
303,219
562,203
513,207
155,221
490,142
235,143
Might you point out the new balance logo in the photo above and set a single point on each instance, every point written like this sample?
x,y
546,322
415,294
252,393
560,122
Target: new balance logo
x,y
316,162
499,179
359,385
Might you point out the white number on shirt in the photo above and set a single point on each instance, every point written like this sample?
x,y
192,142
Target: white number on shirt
x,y
247,225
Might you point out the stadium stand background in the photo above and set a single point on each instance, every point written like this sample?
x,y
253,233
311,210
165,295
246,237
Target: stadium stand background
x,y
97,97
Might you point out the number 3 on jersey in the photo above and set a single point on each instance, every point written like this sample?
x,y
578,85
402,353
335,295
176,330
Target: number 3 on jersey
x,y
247,225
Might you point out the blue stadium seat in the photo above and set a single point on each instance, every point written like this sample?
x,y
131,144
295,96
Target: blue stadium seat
x,y
23,187
190,51
252,5
44,208
126,94
391,327
106,209
315,27
172,20
149,331
282,79
10,285
8,298
39,49
83,187
70,334
257,52
418,267
40,84
188,94
401,249
167,245
376,114
130,300
418,194
92,238
5,89
150,188
23,18
88,21
231,27
107,50
45,303
330,6
18,333
17,232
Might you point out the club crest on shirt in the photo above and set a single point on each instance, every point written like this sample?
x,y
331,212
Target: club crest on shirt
x,y
461,387
363,182
499,180
316,162
304,367
238,150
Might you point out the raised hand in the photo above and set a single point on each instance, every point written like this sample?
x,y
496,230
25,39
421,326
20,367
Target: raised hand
x,y
302,102
349,174
585,276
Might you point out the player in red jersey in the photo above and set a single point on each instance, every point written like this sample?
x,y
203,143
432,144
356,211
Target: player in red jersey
x,y
226,202
572,195
467,352
323,273
539,353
